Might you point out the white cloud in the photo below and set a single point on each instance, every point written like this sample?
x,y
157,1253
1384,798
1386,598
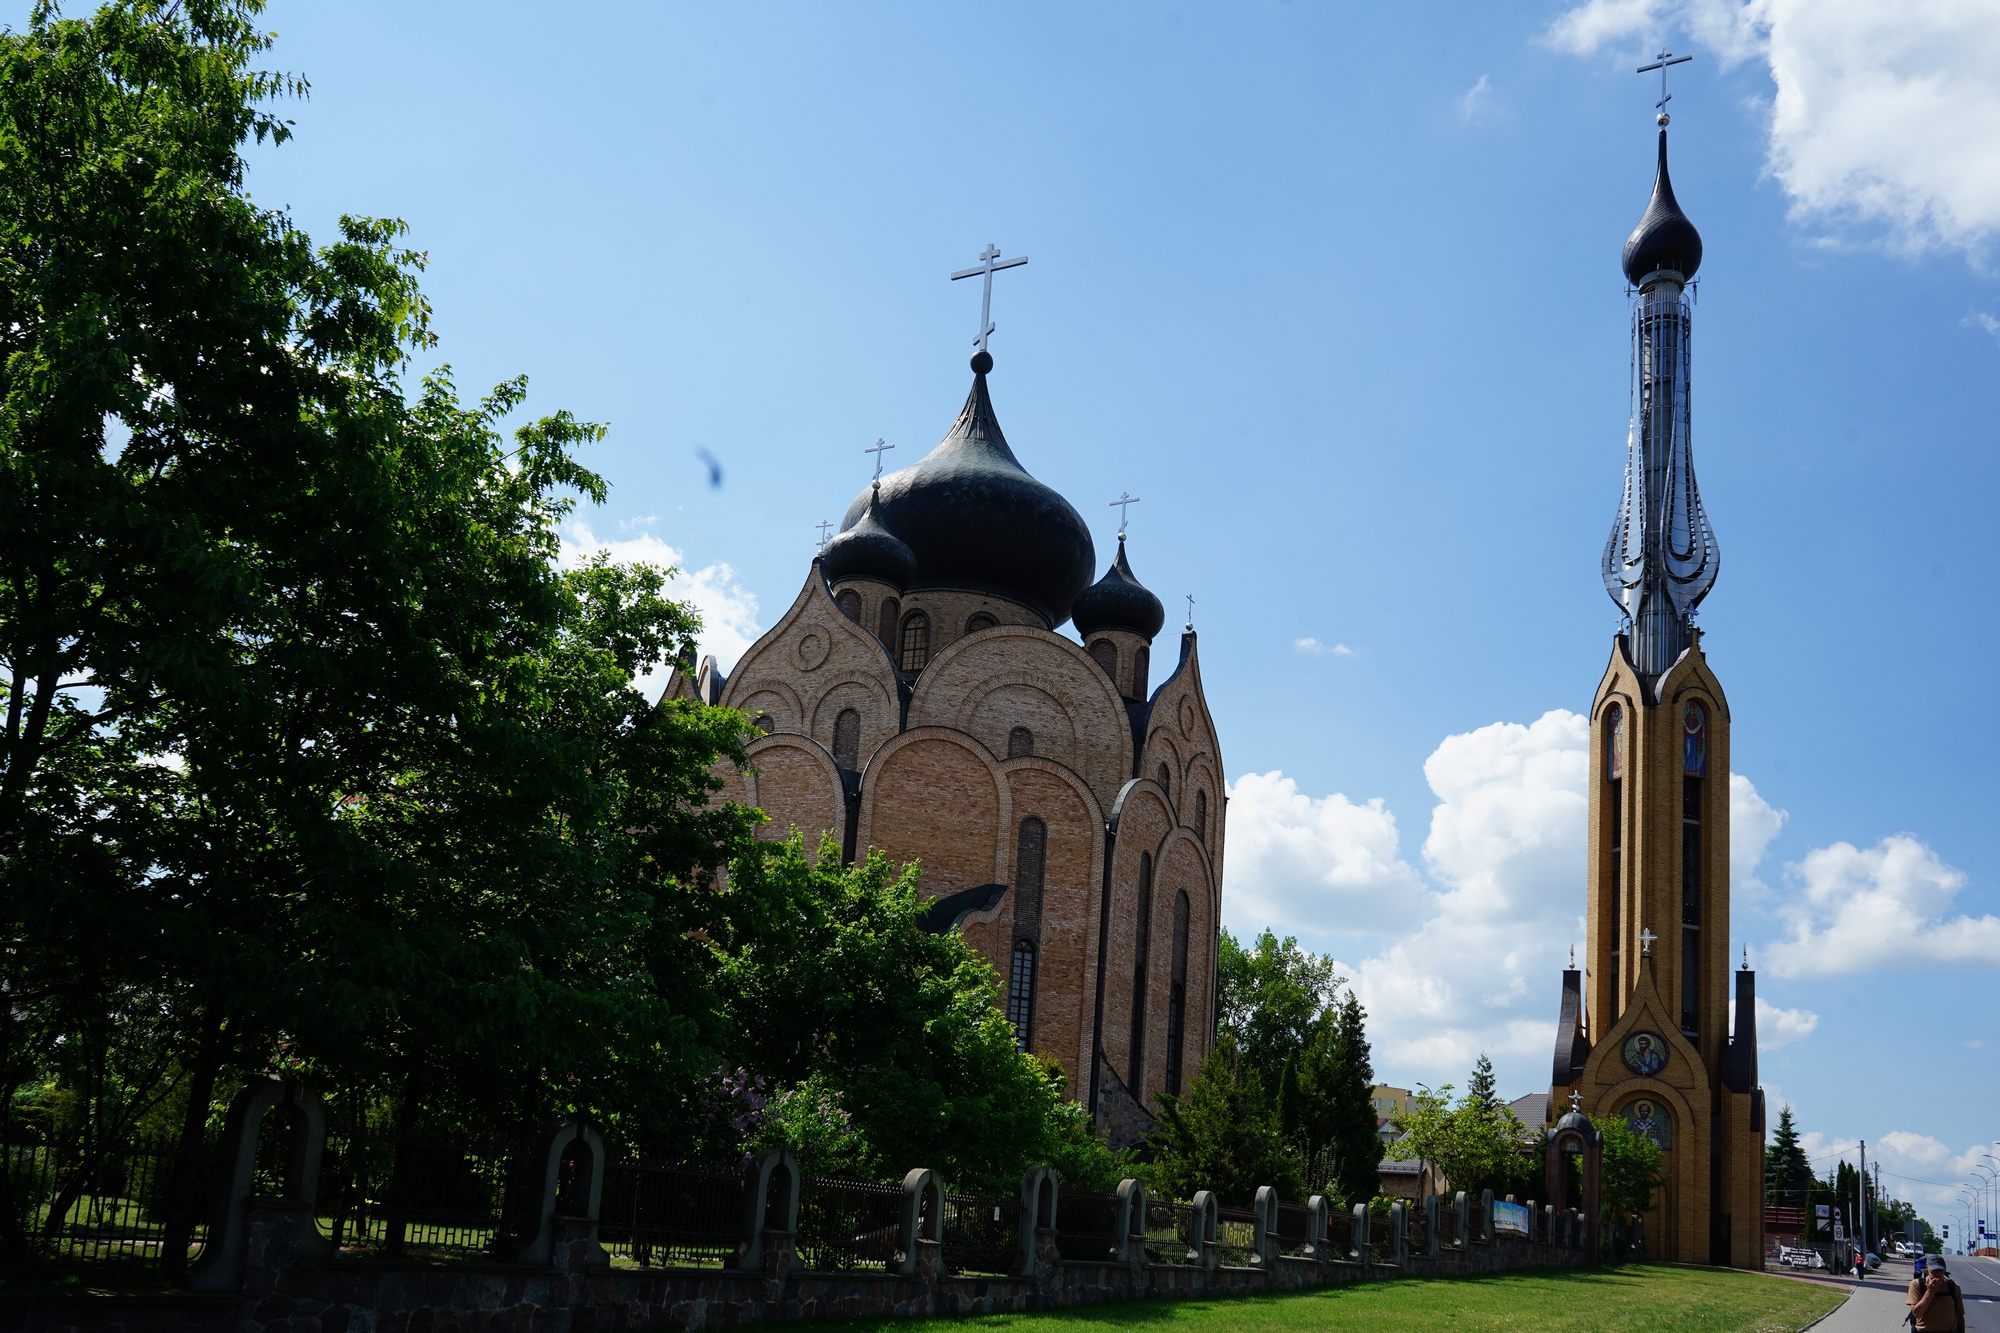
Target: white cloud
x,y
1475,98
1882,114
1324,865
1314,648
1752,824
1979,319
1859,911
728,611
1780,1027
1921,1149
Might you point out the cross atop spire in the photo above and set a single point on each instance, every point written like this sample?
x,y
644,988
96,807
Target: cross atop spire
x,y
1646,938
1190,598
989,263
1660,63
823,525
877,449
1123,504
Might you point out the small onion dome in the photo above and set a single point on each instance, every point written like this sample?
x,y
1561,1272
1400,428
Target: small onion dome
x,y
1578,1121
866,549
976,520
1664,238
1118,601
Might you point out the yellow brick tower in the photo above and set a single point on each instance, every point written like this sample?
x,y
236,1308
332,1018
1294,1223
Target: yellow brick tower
x,y
1644,1031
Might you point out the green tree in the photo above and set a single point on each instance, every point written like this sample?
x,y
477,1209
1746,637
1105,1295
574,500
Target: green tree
x,y
1787,1173
1336,1123
1224,1135
1478,1147
1632,1170
1480,1086
1270,995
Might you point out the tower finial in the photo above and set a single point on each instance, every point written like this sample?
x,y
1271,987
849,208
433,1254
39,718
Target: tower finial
x,y
823,525
1660,63
878,449
1123,504
1190,622
989,263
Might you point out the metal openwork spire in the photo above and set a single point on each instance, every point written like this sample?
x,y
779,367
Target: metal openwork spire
x,y
1662,557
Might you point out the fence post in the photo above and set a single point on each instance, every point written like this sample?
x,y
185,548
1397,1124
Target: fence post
x,y
1316,1228
1131,1239
763,1234
1486,1217
1264,1231
225,1255
1462,1240
546,1224
1038,1221
1202,1248
919,1186
1364,1240
1399,1222
1432,1216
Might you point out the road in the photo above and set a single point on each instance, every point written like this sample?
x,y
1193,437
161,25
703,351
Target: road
x,y
1979,1279
1878,1304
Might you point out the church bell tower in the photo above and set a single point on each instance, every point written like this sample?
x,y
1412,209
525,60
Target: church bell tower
x,y
1645,1030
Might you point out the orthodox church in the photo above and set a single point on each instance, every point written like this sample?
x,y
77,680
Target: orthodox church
x,y
1644,1030
1067,811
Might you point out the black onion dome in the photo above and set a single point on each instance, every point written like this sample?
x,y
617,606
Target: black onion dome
x,y
1118,601
1664,238
976,520
866,549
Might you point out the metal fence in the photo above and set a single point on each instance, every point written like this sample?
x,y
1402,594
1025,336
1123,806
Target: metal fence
x,y
1340,1233
655,1213
1417,1231
982,1233
1294,1226
1169,1231
1448,1237
848,1225
1382,1239
1087,1225
123,1204
1236,1236
415,1193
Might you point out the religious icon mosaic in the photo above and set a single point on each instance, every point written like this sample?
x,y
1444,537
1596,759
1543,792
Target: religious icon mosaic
x,y
1645,1053
1694,737
1614,745
1649,1120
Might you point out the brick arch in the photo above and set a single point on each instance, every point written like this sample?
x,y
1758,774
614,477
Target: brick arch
x,y
999,703
1162,748
853,653
1180,862
1142,819
937,794
881,712
787,715
794,780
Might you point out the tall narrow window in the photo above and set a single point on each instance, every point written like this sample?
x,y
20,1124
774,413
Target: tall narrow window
x,y
847,740
887,622
1030,856
1201,815
1177,996
1105,654
1694,738
1690,904
1614,769
849,603
916,642
1020,743
980,622
1167,781
1021,994
1142,947
1141,667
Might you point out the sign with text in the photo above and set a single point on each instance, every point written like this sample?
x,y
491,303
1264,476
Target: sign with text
x,y
1509,1219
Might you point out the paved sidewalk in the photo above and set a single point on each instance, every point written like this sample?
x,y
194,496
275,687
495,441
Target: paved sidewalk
x,y
1874,1306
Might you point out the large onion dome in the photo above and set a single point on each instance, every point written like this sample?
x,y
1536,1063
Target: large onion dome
x,y
1664,238
976,520
866,549
1118,601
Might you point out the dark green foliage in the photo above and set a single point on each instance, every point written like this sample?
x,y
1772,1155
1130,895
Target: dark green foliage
x,y
1480,1086
1224,1135
1338,1133
1787,1173
1634,1169
1269,997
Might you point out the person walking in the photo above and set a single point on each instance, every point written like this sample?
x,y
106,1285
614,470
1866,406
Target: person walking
x,y
1936,1305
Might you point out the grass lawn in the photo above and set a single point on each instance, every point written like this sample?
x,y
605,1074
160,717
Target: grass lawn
x,y
1636,1297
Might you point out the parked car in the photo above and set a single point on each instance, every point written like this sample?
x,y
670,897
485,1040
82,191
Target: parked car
x,y
1799,1256
1874,1260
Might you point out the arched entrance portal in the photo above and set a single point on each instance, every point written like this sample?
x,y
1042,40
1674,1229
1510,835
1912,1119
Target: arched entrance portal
x,y
1575,1134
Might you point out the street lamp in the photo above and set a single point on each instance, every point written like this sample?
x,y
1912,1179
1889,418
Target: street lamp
x,y
1984,1200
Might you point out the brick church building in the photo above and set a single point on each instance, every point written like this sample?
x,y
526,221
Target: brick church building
x,y
919,697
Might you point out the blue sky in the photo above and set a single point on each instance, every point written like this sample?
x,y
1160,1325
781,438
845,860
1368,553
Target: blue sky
x,y
1336,291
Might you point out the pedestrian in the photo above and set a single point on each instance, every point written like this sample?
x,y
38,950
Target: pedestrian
x,y
1936,1305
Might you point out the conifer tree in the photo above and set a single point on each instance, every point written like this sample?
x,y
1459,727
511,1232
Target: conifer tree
x,y
1787,1173
1354,1148
1224,1135
1480,1088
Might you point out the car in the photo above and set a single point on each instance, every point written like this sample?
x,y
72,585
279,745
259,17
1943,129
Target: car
x,y
1874,1261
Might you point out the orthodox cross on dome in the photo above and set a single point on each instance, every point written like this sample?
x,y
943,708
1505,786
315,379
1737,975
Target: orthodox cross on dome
x,y
1190,598
878,449
823,538
1646,938
989,263
1660,63
1123,505
1576,1102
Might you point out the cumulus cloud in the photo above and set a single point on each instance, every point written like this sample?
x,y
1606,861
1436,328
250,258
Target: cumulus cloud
x,y
728,611
1324,865
1475,98
1858,910
1314,648
1780,1027
1881,114
1752,824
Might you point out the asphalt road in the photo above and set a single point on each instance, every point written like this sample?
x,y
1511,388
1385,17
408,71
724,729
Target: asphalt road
x,y
1979,1280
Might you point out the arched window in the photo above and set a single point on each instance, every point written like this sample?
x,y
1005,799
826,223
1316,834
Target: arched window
x,y
1691,903
849,603
1105,654
1142,665
1201,815
1167,781
1614,818
766,723
847,740
1030,857
1021,994
916,642
980,622
1142,935
1614,743
1694,734
1020,743
1177,995
886,622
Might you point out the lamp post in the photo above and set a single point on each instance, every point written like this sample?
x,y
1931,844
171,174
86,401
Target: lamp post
x,y
1983,1200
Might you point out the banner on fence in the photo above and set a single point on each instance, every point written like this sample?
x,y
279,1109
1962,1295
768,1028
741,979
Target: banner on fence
x,y
1510,1219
